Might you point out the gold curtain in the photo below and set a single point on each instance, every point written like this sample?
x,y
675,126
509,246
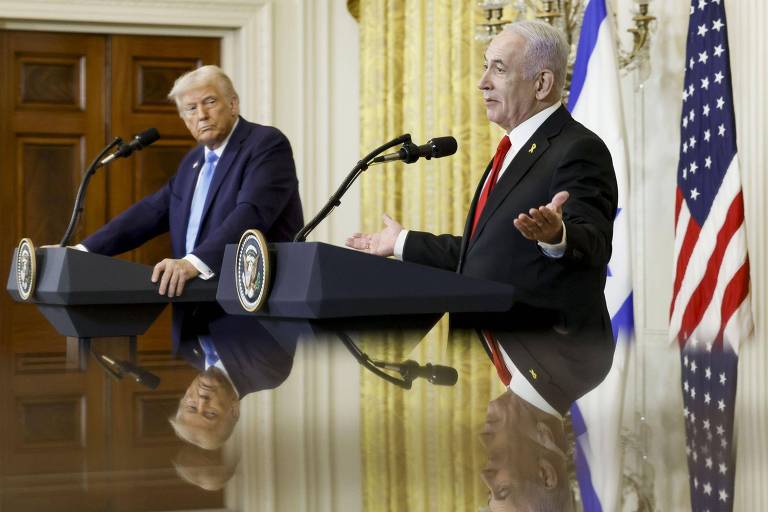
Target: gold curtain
x,y
420,65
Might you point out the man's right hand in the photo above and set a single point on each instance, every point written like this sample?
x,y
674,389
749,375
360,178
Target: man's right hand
x,y
381,243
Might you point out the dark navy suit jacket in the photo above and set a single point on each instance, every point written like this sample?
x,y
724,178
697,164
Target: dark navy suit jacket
x,y
254,186
255,357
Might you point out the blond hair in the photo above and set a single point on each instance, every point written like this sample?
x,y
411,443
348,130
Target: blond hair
x,y
201,77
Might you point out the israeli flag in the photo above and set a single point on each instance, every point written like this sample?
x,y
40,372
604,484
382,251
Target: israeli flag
x,y
595,101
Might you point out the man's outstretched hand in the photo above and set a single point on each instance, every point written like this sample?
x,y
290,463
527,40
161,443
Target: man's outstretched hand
x,y
381,243
545,223
173,275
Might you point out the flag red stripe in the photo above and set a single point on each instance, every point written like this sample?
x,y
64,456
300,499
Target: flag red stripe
x,y
689,242
735,293
702,296
678,204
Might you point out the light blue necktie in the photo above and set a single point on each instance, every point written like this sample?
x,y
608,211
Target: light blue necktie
x,y
198,199
211,356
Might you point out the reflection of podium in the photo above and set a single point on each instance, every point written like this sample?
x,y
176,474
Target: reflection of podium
x,y
87,295
318,281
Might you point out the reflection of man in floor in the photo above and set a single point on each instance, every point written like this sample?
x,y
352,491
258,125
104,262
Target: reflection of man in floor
x,y
206,469
240,356
526,466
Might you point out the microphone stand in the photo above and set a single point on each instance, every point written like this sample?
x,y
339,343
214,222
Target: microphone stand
x,y
78,209
335,199
369,365
117,370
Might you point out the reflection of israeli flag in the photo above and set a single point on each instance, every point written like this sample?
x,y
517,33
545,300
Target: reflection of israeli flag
x,y
595,101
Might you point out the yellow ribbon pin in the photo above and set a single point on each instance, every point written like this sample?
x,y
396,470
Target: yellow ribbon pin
x,y
533,148
531,370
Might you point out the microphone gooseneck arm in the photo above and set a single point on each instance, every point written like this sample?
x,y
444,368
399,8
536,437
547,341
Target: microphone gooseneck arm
x,y
409,370
335,199
368,364
78,209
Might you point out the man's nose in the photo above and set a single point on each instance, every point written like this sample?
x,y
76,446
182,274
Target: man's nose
x,y
203,400
488,476
484,84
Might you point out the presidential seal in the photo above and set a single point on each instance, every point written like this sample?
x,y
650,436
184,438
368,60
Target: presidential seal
x,y
252,270
26,268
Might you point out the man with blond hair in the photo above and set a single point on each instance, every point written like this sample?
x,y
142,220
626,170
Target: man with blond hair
x,y
237,356
240,176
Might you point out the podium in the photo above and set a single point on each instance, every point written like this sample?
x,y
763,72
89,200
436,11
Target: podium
x,y
315,288
314,280
86,295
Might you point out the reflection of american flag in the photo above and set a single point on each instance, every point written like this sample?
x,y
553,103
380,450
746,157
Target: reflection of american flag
x,y
710,310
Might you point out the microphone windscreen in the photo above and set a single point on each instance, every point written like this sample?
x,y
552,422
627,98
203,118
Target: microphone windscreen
x,y
147,137
443,146
443,375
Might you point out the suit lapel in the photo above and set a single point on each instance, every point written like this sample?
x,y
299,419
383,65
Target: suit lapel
x,y
471,215
516,171
224,165
520,166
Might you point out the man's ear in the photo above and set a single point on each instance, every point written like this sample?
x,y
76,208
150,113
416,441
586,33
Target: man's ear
x,y
236,409
547,474
235,105
544,436
545,82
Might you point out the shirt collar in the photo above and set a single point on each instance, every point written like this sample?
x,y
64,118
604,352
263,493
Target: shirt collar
x,y
520,134
220,150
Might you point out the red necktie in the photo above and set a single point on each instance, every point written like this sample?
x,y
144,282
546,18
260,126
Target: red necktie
x,y
498,361
501,152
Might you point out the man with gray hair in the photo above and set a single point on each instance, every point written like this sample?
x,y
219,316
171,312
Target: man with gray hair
x,y
240,176
541,220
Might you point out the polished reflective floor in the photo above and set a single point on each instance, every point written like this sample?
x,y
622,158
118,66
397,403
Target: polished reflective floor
x,y
113,425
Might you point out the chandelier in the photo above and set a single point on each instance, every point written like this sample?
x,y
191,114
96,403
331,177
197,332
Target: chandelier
x,y
566,15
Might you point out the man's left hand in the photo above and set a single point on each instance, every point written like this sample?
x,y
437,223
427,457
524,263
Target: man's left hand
x,y
545,223
175,274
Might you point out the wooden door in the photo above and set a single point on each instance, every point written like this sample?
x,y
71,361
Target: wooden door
x,y
53,112
72,440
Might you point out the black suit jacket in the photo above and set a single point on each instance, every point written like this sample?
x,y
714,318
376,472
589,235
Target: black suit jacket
x,y
559,332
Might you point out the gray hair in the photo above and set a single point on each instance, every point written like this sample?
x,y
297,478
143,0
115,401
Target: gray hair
x,y
546,47
201,77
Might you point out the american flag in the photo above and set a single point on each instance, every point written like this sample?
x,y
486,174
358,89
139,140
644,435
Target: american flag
x,y
710,310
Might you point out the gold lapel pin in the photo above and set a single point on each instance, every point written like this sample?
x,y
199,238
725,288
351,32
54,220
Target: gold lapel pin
x,y
533,148
531,370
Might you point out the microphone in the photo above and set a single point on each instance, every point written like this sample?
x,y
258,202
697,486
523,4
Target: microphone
x,y
118,369
410,152
434,373
139,142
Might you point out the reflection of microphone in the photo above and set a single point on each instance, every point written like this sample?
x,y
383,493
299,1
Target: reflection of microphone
x,y
139,142
434,373
119,368
410,152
